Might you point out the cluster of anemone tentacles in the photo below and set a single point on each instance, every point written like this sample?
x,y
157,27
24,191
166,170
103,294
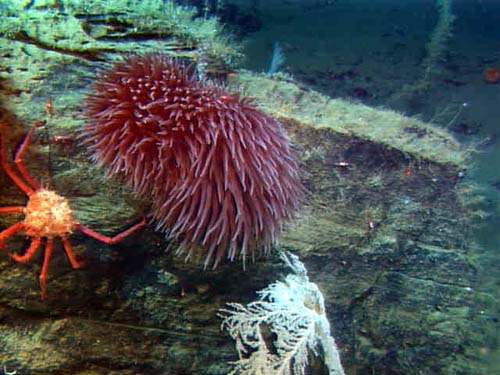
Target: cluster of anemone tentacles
x,y
221,173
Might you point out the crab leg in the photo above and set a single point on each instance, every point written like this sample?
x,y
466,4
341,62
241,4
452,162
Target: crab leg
x,y
12,209
19,158
45,266
10,231
30,251
69,252
18,181
107,239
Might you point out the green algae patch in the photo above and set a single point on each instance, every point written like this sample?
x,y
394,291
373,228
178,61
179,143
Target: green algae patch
x,y
95,30
287,100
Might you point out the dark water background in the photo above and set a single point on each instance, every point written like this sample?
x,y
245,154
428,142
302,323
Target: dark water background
x,y
367,51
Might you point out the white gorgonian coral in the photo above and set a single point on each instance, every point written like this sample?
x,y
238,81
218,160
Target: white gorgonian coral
x,y
275,334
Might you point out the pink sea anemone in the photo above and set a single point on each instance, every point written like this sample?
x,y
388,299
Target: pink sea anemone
x,y
221,173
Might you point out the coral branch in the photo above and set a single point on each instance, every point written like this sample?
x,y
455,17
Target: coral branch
x,y
293,312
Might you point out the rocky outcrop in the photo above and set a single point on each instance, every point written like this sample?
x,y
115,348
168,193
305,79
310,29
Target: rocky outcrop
x,y
384,230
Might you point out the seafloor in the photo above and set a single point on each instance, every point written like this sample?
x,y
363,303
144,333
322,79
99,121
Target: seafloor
x,y
388,230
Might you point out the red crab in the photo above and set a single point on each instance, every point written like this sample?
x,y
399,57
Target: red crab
x,y
47,215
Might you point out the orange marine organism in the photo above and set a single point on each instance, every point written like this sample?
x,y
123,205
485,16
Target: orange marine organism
x,y
492,75
47,215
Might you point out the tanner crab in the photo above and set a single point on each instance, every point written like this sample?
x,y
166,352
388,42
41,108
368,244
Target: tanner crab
x,y
47,215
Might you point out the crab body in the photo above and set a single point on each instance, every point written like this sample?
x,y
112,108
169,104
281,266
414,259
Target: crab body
x,y
47,215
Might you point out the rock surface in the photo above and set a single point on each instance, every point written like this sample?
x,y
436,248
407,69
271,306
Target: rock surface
x,y
384,231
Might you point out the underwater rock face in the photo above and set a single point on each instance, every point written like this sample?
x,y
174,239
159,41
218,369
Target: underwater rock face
x,y
384,235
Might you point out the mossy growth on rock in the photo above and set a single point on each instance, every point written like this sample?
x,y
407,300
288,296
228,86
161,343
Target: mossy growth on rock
x,y
96,29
